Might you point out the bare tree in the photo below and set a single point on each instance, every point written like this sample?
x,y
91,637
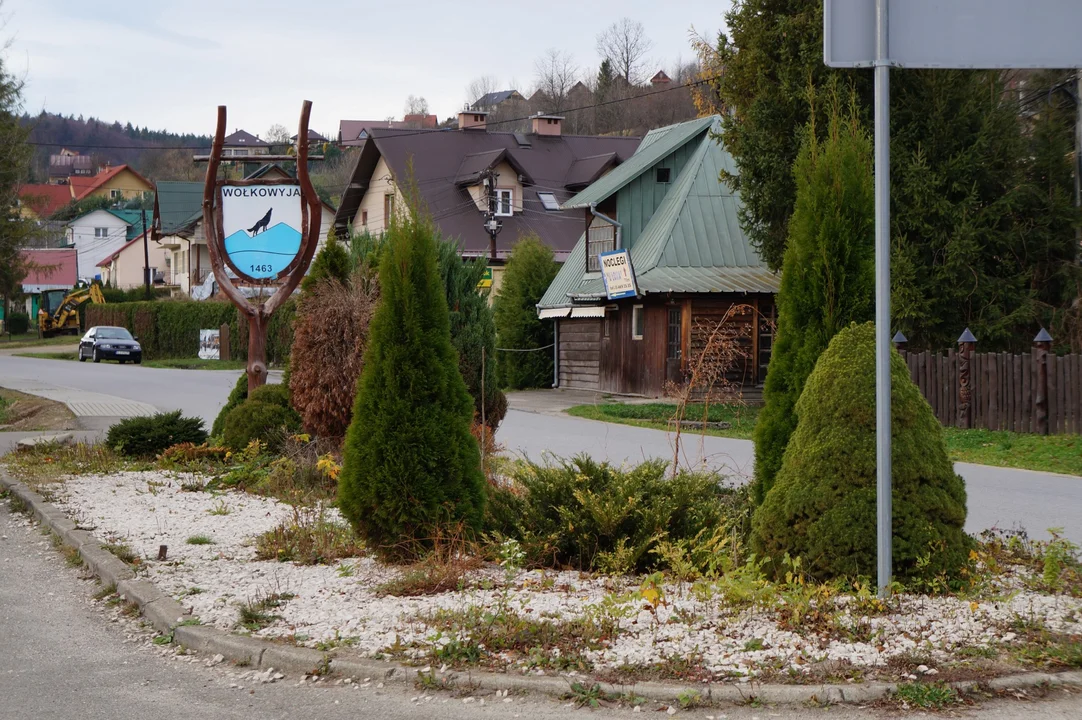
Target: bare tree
x,y
480,87
624,44
557,73
278,135
416,105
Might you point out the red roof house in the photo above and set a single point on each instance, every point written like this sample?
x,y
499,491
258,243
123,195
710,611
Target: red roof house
x,y
50,269
117,182
45,200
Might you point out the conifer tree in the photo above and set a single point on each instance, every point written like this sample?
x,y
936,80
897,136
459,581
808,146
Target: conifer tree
x,y
827,279
410,464
331,262
530,270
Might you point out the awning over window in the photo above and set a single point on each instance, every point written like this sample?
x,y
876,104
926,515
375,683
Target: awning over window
x,y
554,313
588,312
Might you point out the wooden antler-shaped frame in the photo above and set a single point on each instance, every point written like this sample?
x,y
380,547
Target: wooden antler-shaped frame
x,y
311,215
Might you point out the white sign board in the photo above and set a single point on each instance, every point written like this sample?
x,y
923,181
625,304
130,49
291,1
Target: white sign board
x,y
618,274
262,228
957,33
209,344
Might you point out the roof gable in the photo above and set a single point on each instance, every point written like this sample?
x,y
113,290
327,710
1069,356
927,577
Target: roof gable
x,y
655,146
243,138
441,163
82,187
693,242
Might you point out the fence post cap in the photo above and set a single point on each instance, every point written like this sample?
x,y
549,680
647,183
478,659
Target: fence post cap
x,y
898,337
967,337
1043,337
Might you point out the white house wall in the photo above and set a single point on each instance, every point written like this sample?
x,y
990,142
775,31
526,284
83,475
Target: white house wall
x,y
92,250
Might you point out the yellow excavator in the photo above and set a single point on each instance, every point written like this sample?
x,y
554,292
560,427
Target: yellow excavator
x,y
59,312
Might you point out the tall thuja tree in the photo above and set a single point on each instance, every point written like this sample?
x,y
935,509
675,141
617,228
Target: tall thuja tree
x,y
773,50
1048,218
530,270
15,231
410,464
827,278
473,330
957,192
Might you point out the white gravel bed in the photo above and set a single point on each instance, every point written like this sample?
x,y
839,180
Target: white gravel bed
x,y
338,605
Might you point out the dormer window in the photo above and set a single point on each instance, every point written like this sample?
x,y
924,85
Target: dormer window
x,y
505,202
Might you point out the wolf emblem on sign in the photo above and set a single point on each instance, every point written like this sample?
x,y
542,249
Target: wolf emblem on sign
x,y
262,224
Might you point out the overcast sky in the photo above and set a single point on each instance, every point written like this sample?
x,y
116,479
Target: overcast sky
x,y
166,64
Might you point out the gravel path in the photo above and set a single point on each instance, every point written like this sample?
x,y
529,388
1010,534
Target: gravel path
x,y
338,604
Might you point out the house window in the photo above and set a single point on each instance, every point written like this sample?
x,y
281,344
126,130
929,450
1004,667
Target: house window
x,y
663,175
674,345
505,205
548,200
638,322
114,194
601,238
388,208
364,218
101,232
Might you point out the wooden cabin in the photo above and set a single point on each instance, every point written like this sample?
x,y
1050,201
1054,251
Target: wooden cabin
x,y
697,275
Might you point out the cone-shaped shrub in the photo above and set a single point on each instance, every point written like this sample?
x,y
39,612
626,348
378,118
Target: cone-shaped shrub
x,y
822,507
529,272
410,463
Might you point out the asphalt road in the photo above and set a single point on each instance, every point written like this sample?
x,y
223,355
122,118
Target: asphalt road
x,y
64,656
998,497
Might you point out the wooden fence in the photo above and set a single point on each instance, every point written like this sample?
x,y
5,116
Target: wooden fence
x,y
1003,390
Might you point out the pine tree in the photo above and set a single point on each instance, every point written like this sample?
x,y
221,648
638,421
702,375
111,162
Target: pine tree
x,y
410,464
827,279
530,270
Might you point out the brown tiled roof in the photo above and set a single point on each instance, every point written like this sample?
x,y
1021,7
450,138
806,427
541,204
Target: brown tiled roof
x,y
243,138
442,159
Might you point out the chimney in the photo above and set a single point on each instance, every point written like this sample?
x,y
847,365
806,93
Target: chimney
x,y
472,119
546,125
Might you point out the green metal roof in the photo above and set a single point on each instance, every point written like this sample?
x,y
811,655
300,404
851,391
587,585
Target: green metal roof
x,y
134,220
692,243
180,204
655,146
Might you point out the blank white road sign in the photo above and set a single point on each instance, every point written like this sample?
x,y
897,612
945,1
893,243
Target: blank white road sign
x,y
957,33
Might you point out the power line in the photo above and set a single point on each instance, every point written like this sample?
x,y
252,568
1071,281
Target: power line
x,y
352,143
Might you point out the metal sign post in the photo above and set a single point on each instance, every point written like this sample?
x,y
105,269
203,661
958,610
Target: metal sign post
x,y
961,34
266,231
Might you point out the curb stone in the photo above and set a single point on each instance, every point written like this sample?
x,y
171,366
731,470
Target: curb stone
x,y
167,616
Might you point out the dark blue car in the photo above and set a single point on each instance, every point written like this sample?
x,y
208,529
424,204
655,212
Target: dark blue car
x,y
110,343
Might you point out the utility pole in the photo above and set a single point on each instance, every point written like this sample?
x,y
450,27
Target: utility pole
x,y
146,256
493,225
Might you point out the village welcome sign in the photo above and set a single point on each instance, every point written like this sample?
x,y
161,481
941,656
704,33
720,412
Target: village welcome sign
x,y
262,228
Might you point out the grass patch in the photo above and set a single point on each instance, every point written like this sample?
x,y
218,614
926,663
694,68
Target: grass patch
x,y
49,355
1052,651
1048,453
47,464
1045,453
471,635
29,413
308,538
256,613
105,591
659,416
199,540
28,340
123,553
929,696
195,364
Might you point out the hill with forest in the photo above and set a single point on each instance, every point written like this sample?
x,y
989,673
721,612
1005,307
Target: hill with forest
x,y
154,153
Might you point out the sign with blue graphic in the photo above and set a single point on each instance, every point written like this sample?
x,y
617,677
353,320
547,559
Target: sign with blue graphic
x,y
262,228
618,274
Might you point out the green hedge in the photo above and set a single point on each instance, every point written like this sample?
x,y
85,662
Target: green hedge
x,y
169,329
